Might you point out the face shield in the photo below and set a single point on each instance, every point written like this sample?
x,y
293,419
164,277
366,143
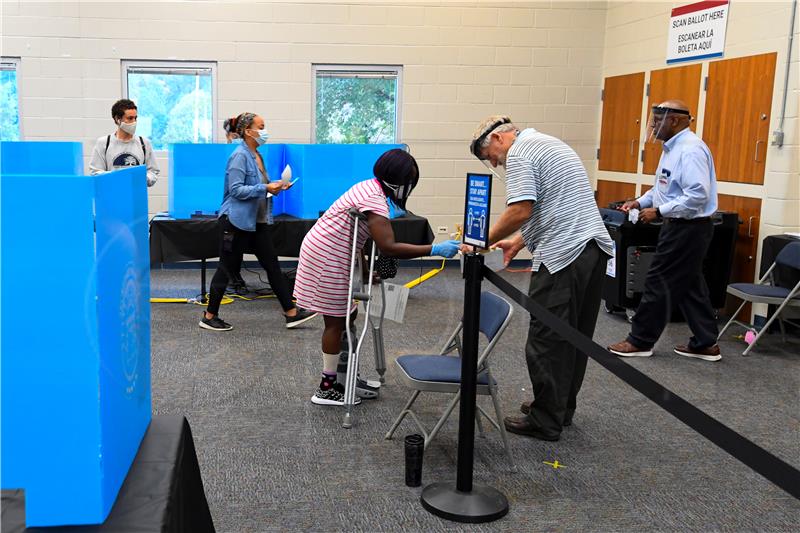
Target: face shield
x,y
478,150
401,192
658,123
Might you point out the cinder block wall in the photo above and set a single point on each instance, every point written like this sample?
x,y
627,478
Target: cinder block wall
x,y
540,62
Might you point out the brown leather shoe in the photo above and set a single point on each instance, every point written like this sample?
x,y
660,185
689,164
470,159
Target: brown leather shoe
x,y
707,354
522,425
626,349
525,408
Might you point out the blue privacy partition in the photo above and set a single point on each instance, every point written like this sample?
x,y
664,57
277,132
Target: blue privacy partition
x,y
27,157
76,375
197,175
325,171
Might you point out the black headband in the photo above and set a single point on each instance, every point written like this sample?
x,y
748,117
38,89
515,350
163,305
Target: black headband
x,y
476,144
658,110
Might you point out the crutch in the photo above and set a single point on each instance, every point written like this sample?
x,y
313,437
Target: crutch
x,y
377,336
362,296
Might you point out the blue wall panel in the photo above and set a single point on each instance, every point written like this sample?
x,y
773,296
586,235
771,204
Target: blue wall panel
x,y
48,158
197,175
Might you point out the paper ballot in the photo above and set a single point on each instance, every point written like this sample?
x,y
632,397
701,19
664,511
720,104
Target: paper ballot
x,y
395,302
286,175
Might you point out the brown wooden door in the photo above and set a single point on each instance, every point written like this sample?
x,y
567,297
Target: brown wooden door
x,y
612,191
744,258
680,83
619,131
736,123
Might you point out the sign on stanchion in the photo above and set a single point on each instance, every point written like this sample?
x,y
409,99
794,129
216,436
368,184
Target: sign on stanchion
x,y
464,501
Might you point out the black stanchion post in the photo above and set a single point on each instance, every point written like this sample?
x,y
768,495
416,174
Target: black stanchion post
x,y
203,298
463,501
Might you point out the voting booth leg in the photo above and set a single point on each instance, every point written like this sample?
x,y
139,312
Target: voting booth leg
x,y
464,501
203,299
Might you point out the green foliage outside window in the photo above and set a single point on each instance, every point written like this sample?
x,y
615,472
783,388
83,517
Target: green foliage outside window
x,y
9,106
356,110
177,107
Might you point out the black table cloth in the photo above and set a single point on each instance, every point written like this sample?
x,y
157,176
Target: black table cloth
x,y
174,240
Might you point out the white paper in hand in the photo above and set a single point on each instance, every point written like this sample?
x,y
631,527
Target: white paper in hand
x,y
493,260
286,175
395,302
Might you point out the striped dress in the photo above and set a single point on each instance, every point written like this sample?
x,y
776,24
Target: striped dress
x,y
323,268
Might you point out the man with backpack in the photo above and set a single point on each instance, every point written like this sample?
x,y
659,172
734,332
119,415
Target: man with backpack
x,y
123,148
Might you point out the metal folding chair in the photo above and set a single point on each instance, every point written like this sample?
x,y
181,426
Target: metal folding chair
x,y
771,294
442,372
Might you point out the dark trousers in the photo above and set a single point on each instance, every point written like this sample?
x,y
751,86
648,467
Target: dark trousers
x,y
676,278
233,245
556,368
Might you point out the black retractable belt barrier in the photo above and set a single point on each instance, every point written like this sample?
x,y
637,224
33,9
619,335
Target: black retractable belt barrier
x,y
760,460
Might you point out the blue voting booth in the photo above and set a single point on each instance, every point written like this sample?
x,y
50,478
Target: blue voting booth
x,y
325,171
76,370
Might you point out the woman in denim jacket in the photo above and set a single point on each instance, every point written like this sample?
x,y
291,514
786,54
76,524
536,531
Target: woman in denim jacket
x,y
244,222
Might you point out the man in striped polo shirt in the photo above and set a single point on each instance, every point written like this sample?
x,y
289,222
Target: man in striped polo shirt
x,y
550,201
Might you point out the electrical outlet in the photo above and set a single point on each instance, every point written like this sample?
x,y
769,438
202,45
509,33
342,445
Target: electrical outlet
x,y
441,230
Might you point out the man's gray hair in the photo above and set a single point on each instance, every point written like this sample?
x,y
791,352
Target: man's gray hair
x,y
501,123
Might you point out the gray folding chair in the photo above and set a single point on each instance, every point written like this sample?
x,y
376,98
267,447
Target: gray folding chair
x,y
772,294
442,372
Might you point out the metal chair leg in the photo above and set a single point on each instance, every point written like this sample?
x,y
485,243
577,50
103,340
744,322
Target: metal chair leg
x,y
502,426
402,415
481,433
731,321
761,332
443,419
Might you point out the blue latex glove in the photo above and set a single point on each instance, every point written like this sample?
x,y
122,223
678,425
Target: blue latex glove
x,y
445,249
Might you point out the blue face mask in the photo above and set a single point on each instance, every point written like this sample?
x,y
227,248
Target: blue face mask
x,y
394,210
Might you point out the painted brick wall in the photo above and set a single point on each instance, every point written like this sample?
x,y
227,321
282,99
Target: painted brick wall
x,y
540,62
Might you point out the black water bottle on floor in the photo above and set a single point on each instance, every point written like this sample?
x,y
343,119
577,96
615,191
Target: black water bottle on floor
x,y
415,447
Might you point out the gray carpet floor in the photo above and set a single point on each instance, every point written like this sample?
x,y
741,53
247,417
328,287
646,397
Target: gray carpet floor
x,y
273,461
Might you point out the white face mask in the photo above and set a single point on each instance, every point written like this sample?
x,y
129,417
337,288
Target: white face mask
x,y
128,127
263,135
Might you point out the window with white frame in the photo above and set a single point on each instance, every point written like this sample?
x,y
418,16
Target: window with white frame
x,y
9,99
356,104
175,100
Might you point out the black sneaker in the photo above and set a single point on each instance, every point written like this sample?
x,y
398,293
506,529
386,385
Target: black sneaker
x,y
331,396
302,316
214,324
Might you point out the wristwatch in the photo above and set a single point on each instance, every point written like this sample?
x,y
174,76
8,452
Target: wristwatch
x,y
658,214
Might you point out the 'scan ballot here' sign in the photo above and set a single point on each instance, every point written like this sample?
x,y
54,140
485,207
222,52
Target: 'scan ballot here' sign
x,y
697,31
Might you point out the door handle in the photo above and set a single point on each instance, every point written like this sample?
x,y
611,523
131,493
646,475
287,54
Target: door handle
x,y
755,158
633,142
750,226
